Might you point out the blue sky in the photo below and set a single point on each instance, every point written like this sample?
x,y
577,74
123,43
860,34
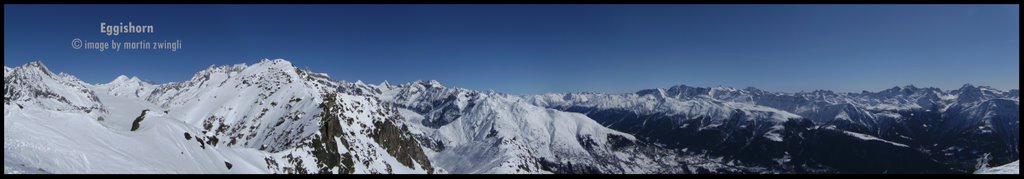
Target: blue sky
x,y
547,48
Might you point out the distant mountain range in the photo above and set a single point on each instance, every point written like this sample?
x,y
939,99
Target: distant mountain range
x,y
271,117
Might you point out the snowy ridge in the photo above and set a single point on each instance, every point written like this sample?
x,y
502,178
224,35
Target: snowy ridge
x,y
865,112
34,86
681,108
656,104
252,106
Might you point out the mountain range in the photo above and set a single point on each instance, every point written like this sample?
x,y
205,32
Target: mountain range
x,y
273,117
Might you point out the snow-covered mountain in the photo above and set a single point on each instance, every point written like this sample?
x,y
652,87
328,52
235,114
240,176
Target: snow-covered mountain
x,y
470,131
128,87
54,123
33,85
297,114
271,117
265,118
979,119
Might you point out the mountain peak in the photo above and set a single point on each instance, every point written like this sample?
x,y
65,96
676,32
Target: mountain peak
x,y
967,86
126,78
752,89
273,64
38,65
265,65
385,84
969,93
680,86
434,82
122,79
34,81
821,91
429,84
909,88
657,92
906,89
32,69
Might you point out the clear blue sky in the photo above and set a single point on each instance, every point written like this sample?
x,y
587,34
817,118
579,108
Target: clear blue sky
x,y
548,48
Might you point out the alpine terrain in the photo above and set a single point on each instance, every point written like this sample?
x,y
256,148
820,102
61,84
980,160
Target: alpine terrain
x,y
275,118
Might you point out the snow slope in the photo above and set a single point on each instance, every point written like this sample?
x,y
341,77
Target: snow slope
x,y
1011,168
62,130
62,142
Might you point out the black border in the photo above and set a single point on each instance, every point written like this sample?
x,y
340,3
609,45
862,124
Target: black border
x,y
863,176
513,2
